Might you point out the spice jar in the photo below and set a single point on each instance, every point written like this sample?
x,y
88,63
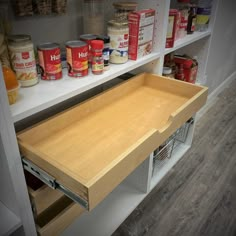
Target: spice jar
x,y
23,60
97,57
119,41
122,9
106,50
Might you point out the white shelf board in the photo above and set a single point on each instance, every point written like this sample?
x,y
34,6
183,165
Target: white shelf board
x,y
188,39
48,93
109,214
9,222
167,164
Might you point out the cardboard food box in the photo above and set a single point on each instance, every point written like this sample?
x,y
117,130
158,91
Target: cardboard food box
x,y
141,26
173,23
190,68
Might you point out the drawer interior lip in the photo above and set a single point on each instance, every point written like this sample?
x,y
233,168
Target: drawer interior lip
x,y
150,106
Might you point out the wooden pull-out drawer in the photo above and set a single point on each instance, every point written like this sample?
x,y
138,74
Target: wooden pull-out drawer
x,y
57,217
53,211
42,197
92,147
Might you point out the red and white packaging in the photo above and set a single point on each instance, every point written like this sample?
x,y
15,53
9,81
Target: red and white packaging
x,y
171,28
190,68
77,58
141,26
50,61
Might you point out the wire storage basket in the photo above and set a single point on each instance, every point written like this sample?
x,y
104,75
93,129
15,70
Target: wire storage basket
x,y
59,6
182,132
164,152
39,7
23,7
43,7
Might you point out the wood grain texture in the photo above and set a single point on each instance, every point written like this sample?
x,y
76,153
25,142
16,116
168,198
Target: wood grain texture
x,y
92,147
198,196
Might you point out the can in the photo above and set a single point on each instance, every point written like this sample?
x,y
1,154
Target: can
x,y
50,61
77,58
88,38
22,57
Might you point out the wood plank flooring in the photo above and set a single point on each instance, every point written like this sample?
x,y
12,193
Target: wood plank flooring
x,y
198,196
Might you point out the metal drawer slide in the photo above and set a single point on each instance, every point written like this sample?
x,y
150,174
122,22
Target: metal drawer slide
x,y
51,182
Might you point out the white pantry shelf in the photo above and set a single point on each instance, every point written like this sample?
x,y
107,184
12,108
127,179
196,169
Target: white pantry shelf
x,y
48,93
188,39
9,222
109,214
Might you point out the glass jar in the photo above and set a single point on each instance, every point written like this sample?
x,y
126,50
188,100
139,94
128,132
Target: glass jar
x,y
93,16
23,60
192,19
118,31
97,57
122,9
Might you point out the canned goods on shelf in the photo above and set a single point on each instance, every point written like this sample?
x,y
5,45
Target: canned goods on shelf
x,y
77,58
50,61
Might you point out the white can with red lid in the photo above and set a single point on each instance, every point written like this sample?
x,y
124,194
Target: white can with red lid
x,y
23,59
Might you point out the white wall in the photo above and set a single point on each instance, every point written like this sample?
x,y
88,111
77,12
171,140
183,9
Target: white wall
x,y
222,54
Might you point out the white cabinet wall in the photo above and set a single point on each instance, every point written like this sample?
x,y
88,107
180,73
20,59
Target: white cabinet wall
x,y
48,95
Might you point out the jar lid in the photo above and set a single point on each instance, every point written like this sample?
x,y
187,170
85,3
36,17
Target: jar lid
x,y
97,44
75,43
125,5
48,46
19,38
122,23
166,70
105,38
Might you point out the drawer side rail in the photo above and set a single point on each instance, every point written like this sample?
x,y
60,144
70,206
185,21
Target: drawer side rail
x,y
52,183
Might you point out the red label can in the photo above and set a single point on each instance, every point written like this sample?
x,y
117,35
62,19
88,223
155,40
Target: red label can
x,y
50,61
77,58
88,38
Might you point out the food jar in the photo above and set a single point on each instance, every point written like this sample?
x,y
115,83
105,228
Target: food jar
x,y
122,9
93,16
118,31
23,60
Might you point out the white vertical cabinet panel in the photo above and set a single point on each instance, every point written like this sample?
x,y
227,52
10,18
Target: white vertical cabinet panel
x,y
11,157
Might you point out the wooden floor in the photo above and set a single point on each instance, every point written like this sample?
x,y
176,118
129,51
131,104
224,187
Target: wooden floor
x,y
198,196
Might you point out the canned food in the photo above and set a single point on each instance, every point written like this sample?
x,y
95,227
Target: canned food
x,y
88,38
50,61
23,60
77,58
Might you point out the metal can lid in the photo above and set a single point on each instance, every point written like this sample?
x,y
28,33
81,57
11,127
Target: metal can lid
x,y
19,38
88,36
75,43
48,46
105,38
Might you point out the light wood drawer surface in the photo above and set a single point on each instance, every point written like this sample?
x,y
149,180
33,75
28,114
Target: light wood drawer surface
x,y
93,146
